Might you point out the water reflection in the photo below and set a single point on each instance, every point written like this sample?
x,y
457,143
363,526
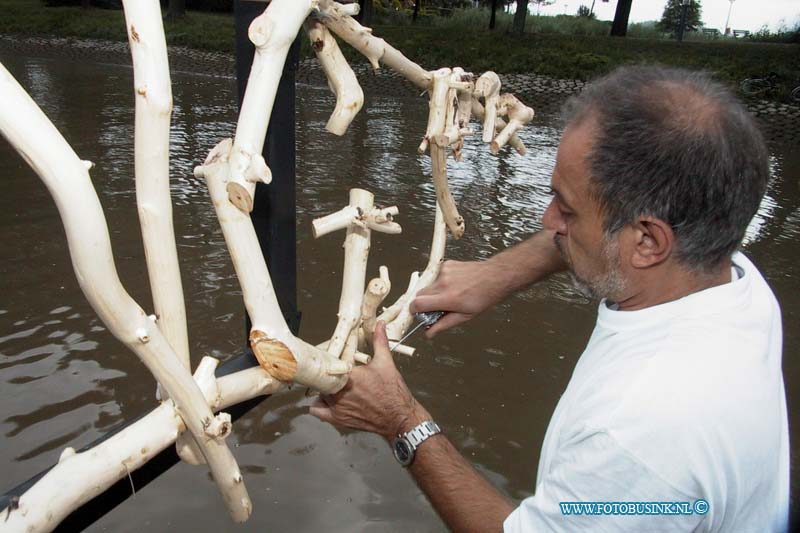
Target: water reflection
x,y
492,384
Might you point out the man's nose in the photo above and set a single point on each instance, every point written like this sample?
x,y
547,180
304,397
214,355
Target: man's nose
x,y
552,219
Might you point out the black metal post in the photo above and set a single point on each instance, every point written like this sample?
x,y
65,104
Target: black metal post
x,y
274,207
274,219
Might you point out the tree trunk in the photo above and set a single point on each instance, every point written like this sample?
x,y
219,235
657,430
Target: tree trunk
x,y
519,16
365,14
620,26
492,20
176,9
416,10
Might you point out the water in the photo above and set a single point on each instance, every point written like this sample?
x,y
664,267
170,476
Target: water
x,y
491,384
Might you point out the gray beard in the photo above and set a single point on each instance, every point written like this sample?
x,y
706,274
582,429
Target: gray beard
x,y
609,284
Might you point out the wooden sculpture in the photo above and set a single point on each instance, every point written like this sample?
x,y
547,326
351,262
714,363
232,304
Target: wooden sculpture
x,y
188,402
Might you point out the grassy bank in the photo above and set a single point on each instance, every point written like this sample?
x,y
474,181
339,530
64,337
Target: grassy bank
x,y
554,54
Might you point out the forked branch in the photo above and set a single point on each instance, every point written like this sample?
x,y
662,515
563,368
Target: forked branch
x,y
67,178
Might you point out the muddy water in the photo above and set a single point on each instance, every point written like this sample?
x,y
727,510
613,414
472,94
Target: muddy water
x,y
492,385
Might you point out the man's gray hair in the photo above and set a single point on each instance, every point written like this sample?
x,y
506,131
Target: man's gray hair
x,y
678,146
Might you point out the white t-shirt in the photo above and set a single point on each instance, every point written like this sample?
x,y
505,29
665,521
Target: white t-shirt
x,y
673,403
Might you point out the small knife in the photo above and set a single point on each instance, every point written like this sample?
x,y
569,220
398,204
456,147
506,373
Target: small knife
x,y
425,319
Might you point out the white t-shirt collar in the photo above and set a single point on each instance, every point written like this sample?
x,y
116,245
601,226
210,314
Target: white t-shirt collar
x,y
708,301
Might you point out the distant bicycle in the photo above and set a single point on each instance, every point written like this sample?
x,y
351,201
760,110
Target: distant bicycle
x,y
763,85
759,85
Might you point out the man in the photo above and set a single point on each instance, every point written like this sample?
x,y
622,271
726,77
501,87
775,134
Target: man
x,y
678,397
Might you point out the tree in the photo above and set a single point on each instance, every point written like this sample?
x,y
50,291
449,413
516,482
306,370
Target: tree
x,y
671,18
540,3
586,12
176,9
519,16
619,28
492,18
364,16
492,5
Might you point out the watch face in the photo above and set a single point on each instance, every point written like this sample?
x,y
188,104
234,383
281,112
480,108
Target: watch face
x,y
403,451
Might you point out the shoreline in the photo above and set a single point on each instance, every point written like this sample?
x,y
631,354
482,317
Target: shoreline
x,y
780,121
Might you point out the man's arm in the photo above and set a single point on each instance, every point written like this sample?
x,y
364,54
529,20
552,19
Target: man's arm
x,y
464,499
377,399
465,289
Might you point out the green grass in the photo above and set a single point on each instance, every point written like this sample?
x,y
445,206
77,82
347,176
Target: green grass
x,y
552,47
206,31
588,56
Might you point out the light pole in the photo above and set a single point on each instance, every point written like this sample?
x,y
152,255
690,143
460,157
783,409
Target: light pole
x,y
728,20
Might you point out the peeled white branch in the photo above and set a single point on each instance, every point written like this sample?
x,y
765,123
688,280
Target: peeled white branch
x,y
377,290
341,79
390,313
464,98
438,104
79,477
341,219
380,219
518,116
356,252
488,88
204,376
398,326
514,141
151,157
67,178
279,352
403,349
358,356
362,358
338,19
151,147
350,346
459,112
272,33
444,198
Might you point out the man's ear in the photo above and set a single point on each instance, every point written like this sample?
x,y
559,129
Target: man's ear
x,y
653,242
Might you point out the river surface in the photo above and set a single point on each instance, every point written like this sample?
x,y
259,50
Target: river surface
x,y
492,384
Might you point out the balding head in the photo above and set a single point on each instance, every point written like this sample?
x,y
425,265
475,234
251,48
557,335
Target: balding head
x,y
677,146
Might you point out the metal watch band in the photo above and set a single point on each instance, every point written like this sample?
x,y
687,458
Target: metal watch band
x,y
422,432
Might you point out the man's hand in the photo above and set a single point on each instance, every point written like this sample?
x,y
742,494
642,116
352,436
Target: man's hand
x,y
375,399
465,289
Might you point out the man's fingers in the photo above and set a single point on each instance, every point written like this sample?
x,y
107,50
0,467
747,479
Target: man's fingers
x,y
321,411
433,288
429,302
380,344
446,322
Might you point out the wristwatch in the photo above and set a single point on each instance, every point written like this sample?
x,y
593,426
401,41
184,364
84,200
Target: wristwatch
x,y
406,444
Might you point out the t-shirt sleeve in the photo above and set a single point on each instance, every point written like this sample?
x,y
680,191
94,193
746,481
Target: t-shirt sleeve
x,y
595,468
